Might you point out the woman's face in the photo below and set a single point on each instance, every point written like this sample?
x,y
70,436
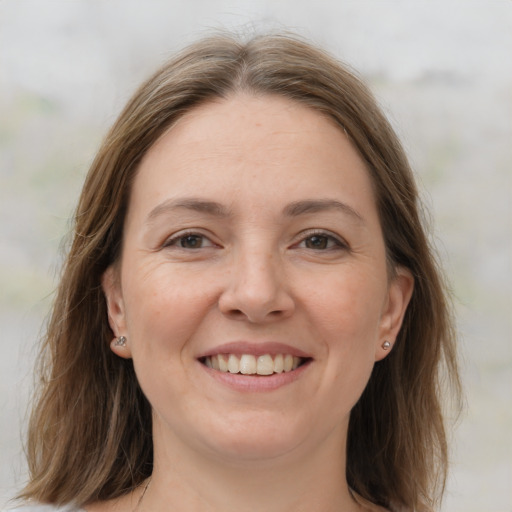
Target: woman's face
x,y
253,287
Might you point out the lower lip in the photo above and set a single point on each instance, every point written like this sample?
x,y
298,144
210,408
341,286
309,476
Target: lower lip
x,y
256,383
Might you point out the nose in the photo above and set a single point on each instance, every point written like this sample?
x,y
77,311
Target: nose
x,y
256,290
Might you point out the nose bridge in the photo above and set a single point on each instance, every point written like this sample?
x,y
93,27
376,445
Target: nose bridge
x,y
256,287
256,273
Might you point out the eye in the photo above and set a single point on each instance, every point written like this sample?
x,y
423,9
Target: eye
x,y
188,241
322,242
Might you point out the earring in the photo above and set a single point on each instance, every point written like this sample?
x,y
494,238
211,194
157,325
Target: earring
x,y
386,345
120,342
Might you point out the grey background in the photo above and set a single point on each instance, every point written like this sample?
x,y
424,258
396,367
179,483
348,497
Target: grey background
x,y
441,70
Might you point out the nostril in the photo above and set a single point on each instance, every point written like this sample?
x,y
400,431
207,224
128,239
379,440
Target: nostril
x,y
236,313
255,316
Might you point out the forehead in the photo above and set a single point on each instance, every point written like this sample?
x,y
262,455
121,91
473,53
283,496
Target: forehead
x,y
266,147
248,118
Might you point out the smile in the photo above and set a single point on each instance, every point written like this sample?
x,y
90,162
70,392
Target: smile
x,y
249,364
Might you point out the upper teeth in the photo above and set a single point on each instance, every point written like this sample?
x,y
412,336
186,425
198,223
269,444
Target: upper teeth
x,y
249,364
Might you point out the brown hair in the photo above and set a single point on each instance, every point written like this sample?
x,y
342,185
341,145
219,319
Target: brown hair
x,y
90,430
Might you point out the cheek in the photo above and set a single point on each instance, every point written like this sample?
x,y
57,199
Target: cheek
x,y
163,311
163,307
346,319
348,305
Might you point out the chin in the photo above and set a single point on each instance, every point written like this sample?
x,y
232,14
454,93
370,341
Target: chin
x,y
255,439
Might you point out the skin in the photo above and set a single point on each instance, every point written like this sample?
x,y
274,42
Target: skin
x,y
257,268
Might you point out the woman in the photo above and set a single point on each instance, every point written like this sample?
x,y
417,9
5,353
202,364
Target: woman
x,y
250,317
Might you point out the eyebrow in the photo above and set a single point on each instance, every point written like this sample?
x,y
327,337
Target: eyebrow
x,y
193,204
320,205
215,209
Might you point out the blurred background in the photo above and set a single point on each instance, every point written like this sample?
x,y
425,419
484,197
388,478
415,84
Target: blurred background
x,y
440,69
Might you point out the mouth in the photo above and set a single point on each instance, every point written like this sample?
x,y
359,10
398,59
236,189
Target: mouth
x,y
248,364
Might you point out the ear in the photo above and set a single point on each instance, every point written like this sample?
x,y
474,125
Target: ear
x,y
400,291
111,286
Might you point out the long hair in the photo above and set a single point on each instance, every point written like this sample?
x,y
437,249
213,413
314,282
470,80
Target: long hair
x,y
90,432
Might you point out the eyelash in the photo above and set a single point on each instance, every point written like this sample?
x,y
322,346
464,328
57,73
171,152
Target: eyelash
x,y
175,239
338,244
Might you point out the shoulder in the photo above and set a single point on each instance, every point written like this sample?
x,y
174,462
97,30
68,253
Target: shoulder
x,y
43,508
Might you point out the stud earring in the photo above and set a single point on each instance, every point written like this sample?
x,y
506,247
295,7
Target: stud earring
x,y
386,345
120,342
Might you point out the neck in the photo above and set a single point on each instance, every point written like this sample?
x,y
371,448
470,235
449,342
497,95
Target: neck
x,y
183,479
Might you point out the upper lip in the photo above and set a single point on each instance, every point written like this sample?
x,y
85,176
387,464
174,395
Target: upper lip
x,y
255,349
